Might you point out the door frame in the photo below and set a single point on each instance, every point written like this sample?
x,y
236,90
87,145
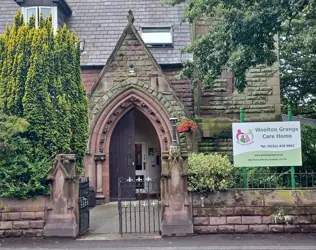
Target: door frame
x,y
144,154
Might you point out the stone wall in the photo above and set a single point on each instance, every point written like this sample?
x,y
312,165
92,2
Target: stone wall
x,y
261,99
183,88
54,215
262,211
22,217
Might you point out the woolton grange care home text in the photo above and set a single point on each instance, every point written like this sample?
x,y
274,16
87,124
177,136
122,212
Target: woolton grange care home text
x,y
267,144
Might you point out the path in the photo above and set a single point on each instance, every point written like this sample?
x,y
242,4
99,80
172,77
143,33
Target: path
x,y
104,219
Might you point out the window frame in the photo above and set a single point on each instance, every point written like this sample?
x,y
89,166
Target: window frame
x,y
158,44
54,12
24,12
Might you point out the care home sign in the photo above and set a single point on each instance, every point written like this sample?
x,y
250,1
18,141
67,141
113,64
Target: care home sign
x,y
267,144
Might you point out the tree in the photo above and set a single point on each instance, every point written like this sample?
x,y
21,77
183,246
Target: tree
x,y
37,104
20,176
298,67
40,80
244,36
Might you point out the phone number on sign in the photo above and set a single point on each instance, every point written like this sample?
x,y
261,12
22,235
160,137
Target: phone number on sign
x,y
278,146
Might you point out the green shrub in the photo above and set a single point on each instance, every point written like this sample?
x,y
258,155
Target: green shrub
x,y
209,172
21,175
40,81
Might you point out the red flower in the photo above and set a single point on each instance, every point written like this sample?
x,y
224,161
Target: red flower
x,y
186,125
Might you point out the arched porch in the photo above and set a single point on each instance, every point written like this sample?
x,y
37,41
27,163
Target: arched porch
x,y
97,164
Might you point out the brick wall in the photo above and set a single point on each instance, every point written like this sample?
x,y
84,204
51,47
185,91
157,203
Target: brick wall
x,y
263,211
89,76
22,217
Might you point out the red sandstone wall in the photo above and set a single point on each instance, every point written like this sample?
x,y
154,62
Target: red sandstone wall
x,y
89,76
22,217
261,211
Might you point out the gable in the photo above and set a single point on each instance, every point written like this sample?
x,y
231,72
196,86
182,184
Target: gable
x,y
147,75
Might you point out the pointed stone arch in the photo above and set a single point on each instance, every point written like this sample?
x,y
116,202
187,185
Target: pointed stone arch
x,y
127,99
103,128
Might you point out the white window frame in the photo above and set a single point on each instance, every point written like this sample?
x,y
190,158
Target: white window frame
x,y
24,12
38,11
157,44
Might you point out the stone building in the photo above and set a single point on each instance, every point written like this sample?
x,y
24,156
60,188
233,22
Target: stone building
x,y
129,70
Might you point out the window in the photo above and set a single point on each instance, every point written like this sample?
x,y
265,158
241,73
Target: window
x,y
36,11
157,36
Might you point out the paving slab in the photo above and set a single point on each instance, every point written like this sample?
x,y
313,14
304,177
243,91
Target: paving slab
x,y
104,219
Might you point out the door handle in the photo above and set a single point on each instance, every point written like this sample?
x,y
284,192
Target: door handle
x,y
144,165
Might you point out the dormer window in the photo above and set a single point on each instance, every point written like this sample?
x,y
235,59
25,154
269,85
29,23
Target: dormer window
x,y
37,10
157,36
59,9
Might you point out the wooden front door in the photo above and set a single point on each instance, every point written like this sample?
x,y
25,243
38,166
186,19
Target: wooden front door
x,y
122,154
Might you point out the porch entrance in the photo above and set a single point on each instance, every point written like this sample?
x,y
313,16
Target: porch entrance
x,y
135,170
135,155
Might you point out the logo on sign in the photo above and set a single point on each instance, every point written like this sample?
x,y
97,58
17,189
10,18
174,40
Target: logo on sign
x,y
244,138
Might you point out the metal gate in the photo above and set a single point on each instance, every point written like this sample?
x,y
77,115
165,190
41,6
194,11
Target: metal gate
x,y
139,205
84,214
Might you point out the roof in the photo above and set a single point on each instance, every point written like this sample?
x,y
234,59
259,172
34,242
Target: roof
x,y
101,22
8,8
300,119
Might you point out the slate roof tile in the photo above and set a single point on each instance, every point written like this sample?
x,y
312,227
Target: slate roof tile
x,y
8,8
101,22
108,20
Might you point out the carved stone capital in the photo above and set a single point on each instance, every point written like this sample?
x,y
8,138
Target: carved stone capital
x,y
99,157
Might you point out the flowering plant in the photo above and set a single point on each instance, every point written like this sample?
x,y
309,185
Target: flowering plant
x,y
186,126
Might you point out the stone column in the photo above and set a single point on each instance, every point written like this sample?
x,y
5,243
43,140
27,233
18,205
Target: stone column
x,y
176,206
63,208
99,159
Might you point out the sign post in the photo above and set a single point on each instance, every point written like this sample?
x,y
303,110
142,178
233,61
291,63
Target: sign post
x,y
243,170
289,111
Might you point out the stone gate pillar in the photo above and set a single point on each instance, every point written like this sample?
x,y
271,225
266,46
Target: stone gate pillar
x,y
176,206
62,216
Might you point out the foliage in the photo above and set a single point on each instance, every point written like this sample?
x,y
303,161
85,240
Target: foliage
x,y
243,36
209,172
40,80
308,134
43,104
20,176
298,66
264,177
186,125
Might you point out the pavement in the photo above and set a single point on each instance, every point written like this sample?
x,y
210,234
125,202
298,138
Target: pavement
x,y
104,222
202,242
104,219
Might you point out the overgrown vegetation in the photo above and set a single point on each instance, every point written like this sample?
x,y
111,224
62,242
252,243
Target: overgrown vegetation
x,y
40,85
209,172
